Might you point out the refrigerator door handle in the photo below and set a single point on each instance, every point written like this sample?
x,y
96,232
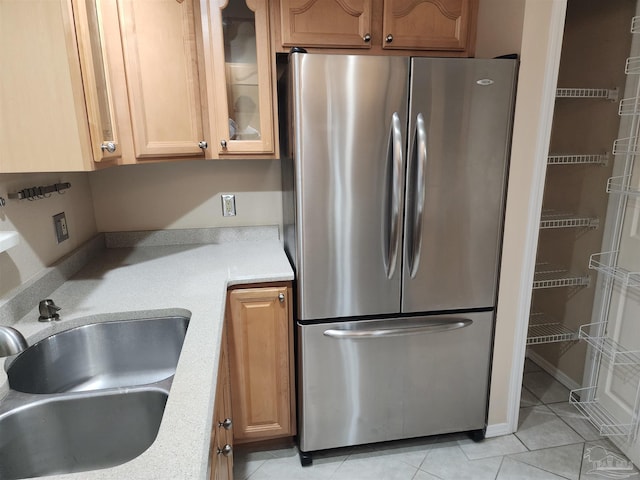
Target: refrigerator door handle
x,y
440,326
395,152
419,159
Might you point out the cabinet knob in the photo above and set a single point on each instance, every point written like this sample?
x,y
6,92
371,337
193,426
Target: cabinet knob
x,y
223,143
281,297
108,147
389,38
367,38
203,144
226,450
226,424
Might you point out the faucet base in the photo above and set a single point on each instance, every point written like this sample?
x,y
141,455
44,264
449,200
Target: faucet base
x,y
51,318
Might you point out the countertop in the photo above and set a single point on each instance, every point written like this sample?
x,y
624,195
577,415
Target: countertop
x,y
148,281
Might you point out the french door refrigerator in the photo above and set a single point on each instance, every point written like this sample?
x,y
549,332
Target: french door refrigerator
x,y
394,194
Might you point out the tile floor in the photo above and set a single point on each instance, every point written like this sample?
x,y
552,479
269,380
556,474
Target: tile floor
x,y
552,443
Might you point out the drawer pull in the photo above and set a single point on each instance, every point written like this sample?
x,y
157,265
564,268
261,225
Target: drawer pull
x,y
226,424
393,332
226,450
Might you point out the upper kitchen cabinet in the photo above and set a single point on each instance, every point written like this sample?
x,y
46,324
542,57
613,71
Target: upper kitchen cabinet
x,y
431,27
43,126
103,128
238,66
428,24
326,23
152,52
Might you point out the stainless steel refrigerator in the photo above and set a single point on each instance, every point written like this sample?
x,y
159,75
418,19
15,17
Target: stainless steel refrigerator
x,y
394,187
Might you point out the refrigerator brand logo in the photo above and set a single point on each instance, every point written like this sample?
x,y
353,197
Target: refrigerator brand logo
x,y
485,81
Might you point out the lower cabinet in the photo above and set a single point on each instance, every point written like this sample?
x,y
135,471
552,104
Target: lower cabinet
x,y
221,464
255,376
259,323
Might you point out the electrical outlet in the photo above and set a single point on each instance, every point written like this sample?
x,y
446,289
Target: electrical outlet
x,y
60,224
228,205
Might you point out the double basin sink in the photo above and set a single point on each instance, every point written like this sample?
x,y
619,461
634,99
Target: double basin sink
x,y
88,398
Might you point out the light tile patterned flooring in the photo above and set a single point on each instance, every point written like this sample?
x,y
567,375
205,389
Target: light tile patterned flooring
x,y
552,443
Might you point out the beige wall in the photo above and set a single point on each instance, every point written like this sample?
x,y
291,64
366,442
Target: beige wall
x,y
32,219
138,197
499,27
540,55
186,194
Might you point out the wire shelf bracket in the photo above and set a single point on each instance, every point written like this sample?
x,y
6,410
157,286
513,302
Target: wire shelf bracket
x,y
629,106
578,159
632,66
550,276
626,146
543,329
621,186
603,93
605,263
592,410
611,350
551,219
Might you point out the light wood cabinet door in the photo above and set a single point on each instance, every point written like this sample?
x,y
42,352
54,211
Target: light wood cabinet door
x,y
96,78
221,465
43,120
161,66
428,24
240,77
326,23
260,352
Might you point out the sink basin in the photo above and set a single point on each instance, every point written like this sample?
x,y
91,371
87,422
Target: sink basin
x,y
78,432
88,398
100,356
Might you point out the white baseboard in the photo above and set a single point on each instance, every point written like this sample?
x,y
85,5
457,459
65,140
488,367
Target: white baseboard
x,y
498,430
553,371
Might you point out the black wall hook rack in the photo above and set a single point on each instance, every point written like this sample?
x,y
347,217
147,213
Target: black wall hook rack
x,y
37,193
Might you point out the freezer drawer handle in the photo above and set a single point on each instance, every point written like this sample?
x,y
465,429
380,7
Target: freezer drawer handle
x,y
395,154
394,332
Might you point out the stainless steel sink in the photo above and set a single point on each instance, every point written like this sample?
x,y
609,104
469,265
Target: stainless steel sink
x,y
101,355
88,398
80,432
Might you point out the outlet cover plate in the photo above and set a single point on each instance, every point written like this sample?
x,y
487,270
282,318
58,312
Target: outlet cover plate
x,y
60,224
228,205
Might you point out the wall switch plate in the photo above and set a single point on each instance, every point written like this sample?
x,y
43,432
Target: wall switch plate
x,y
60,224
228,205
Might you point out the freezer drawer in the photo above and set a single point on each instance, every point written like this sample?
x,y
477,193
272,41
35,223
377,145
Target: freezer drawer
x,y
377,380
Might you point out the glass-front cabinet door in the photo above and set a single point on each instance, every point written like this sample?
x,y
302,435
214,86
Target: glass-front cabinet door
x,y
240,84
95,77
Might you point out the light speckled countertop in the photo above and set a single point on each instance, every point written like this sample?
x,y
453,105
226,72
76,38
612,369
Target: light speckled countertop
x,y
148,281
